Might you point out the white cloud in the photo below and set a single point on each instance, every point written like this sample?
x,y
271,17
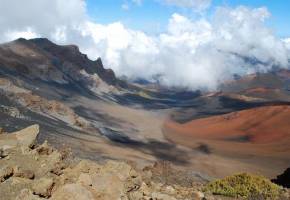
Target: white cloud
x,y
44,17
197,5
27,33
287,43
125,6
191,53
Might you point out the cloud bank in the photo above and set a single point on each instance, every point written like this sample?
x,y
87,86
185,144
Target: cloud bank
x,y
197,54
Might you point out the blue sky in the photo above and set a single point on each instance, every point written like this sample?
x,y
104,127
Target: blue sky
x,y
152,17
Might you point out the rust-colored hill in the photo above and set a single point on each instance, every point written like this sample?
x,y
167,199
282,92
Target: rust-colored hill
x,y
255,140
269,124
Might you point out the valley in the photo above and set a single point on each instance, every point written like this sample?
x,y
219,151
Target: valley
x,y
83,106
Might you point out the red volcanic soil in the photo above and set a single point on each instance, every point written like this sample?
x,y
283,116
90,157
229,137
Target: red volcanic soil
x,y
255,140
269,124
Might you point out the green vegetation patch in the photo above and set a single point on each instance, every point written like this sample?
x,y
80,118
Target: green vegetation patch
x,y
246,186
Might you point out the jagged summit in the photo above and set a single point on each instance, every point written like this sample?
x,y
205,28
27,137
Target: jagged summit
x,y
42,59
56,71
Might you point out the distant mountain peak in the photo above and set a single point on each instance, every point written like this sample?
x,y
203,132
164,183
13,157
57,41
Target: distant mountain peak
x,y
41,59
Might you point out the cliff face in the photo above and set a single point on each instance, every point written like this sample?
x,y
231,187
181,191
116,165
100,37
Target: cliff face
x,y
44,60
49,69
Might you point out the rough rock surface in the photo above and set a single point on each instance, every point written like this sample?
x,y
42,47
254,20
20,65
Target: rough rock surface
x,y
43,187
41,172
25,139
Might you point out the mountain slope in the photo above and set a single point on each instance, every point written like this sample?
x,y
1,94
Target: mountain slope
x,y
80,104
267,124
43,62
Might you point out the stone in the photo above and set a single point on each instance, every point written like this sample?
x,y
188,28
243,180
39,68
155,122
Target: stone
x,y
109,186
43,187
72,192
198,195
83,166
133,183
7,142
58,169
160,196
44,149
170,190
27,194
26,137
120,169
21,173
136,195
85,180
3,153
5,173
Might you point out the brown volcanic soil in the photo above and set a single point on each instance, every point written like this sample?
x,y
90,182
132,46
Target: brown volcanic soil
x,y
257,137
274,94
260,125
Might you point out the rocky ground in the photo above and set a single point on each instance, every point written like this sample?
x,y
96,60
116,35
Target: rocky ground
x,y
29,171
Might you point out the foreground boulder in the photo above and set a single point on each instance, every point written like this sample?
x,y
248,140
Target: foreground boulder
x,y
73,192
25,139
43,187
